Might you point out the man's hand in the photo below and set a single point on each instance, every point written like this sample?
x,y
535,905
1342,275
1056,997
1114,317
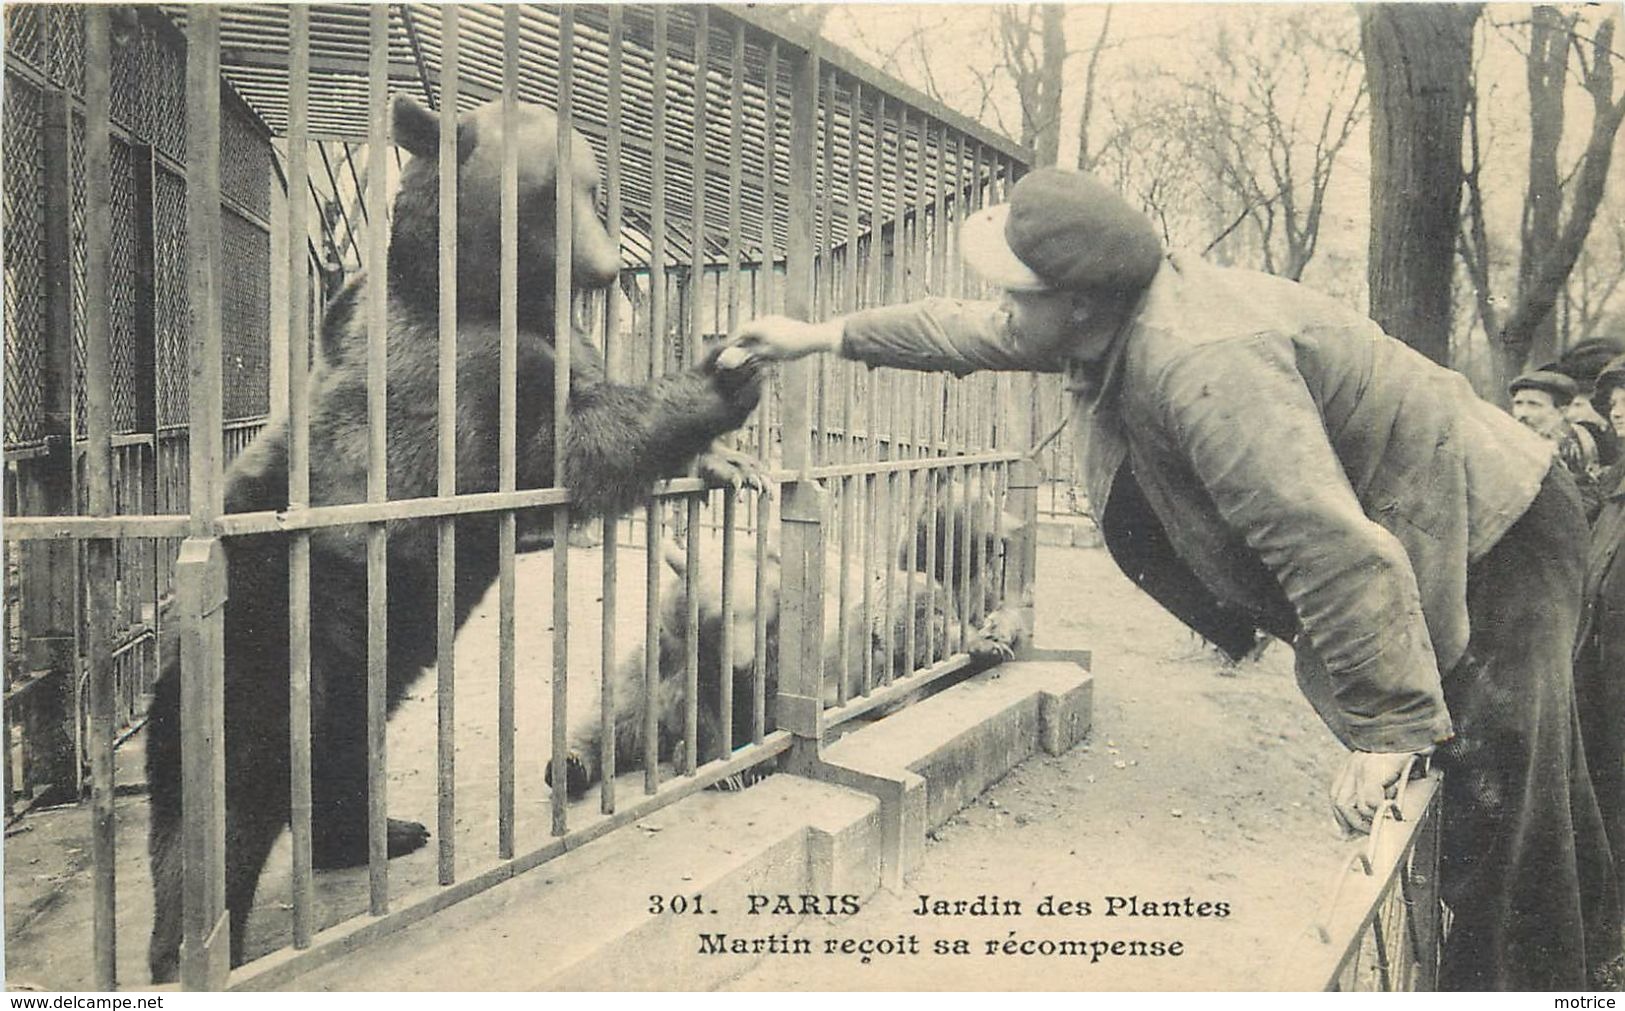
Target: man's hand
x,y
1366,780
779,338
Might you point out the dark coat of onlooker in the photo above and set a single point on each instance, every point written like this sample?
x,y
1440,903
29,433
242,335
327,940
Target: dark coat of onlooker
x,y
1599,665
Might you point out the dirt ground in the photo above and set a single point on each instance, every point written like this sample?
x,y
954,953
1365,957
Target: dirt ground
x,y
1199,780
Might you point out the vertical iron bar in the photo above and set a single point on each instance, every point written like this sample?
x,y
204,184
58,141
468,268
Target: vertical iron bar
x,y
852,502
896,492
938,388
725,644
508,433
612,306
872,483
378,142
916,380
657,345
446,526
657,200
824,259
696,277
100,560
764,414
563,325
299,712
651,649
691,640
736,171
696,327
736,105
758,716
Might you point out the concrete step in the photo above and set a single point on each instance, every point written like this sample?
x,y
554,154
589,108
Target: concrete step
x,y
582,921
930,760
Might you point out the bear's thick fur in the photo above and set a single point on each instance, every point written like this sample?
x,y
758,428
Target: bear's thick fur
x,y
936,621
620,438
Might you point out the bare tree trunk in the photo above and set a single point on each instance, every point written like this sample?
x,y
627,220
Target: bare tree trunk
x,y
1547,68
1048,141
1086,155
1418,58
1035,65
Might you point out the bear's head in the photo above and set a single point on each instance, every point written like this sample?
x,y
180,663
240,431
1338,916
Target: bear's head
x,y
414,244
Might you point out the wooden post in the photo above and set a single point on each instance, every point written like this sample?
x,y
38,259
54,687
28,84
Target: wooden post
x,y
800,702
101,571
201,572
298,294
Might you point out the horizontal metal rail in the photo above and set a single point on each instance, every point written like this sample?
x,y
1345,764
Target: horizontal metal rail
x,y
282,967
1384,903
36,528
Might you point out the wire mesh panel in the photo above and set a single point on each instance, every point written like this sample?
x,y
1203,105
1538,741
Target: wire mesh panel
x,y
245,163
170,302
247,298
123,267
25,309
76,239
163,91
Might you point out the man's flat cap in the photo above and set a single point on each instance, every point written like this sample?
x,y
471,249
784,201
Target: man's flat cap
x,y
1561,387
1063,231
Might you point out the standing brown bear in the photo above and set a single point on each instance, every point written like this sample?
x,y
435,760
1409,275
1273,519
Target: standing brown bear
x,y
620,439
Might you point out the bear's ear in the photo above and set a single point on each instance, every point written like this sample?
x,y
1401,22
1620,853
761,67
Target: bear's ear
x,y
417,129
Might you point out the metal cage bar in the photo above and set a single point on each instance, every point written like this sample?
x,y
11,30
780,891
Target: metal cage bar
x,y
378,139
446,449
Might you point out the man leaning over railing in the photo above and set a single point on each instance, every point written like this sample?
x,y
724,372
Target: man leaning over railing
x,y
1262,458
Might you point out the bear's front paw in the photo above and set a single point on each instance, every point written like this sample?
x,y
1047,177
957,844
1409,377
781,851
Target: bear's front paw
x,y
723,467
1001,635
737,381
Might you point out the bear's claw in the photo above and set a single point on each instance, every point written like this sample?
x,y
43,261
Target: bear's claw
x,y
351,851
729,468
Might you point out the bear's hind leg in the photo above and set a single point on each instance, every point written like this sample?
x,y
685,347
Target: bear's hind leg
x,y
338,821
251,831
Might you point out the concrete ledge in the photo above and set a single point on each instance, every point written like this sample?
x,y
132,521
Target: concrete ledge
x,y
930,760
582,921
1068,531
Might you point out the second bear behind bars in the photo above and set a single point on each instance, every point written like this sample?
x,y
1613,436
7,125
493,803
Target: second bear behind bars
x,y
619,439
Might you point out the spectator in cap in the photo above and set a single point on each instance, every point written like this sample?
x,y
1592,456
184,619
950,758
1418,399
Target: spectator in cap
x,y
1599,663
1539,400
1261,458
1609,397
1582,363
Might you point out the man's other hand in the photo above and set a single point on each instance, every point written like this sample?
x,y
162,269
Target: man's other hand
x,y
1366,780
